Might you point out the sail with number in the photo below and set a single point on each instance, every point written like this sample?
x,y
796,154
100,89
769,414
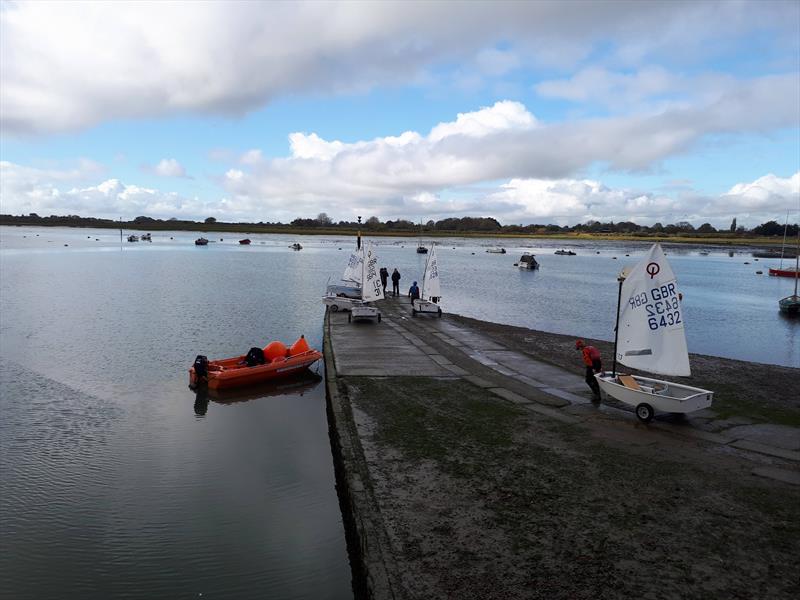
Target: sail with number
x,y
430,279
353,270
371,287
651,334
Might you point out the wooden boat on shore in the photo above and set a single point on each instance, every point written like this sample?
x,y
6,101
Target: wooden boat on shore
x,y
257,366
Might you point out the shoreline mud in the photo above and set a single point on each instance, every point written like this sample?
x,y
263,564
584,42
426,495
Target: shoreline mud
x,y
460,479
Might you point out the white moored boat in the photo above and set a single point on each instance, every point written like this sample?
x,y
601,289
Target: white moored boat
x,y
371,288
650,337
528,261
431,288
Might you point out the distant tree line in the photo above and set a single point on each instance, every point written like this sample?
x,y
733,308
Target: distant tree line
x,y
451,226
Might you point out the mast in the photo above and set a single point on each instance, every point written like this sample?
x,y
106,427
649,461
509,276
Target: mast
x,y
797,263
621,280
425,276
783,245
363,266
358,243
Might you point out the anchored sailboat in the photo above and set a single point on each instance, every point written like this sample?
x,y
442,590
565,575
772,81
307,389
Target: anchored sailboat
x,y
650,337
431,288
791,304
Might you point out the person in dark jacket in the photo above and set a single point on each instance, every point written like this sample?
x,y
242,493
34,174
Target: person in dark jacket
x,y
395,282
413,292
593,364
384,278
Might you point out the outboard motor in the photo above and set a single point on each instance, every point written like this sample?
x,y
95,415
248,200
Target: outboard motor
x,y
255,356
201,367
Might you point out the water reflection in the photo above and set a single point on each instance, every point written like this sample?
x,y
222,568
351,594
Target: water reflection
x,y
298,385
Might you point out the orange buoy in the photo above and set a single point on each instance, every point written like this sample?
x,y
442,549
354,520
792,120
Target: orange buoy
x,y
274,350
300,346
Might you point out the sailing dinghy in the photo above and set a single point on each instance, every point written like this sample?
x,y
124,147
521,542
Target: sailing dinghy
x,y
371,288
431,289
650,337
344,297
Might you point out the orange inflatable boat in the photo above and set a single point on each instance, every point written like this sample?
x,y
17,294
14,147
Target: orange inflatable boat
x,y
257,366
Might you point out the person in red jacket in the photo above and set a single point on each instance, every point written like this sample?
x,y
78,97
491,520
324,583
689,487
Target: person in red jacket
x,y
591,358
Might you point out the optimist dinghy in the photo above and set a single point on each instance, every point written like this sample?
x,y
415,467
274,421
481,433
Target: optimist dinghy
x,y
344,297
257,366
431,289
650,337
371,288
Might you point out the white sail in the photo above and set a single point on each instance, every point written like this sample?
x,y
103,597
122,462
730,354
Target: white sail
x,y
371,287
430,279
353,270
651,335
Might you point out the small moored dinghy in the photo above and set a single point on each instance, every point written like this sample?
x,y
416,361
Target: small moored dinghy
x,y
528,261
257,366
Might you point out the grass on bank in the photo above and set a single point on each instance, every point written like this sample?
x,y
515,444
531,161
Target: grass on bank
x,y
250,229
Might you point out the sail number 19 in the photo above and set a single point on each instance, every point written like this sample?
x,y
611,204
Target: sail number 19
x,y
661,305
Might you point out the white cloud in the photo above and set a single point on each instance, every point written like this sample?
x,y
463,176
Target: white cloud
x,y
25,190
169,167
570,201
67,66
501,142
251,157
520,200
764,194
495,63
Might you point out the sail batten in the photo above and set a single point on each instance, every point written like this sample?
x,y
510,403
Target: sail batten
x,y
651,321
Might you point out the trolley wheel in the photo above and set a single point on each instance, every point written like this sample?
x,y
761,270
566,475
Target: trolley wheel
x,y
379,317
349,317
334,307
440,313
645,412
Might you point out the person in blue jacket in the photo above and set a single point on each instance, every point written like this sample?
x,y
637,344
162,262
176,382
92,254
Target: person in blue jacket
x,y
413,292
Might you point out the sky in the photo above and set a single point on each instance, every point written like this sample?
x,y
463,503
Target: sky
x,y
529,112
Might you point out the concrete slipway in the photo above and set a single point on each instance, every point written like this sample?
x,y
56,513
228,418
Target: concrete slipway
x,y
468,469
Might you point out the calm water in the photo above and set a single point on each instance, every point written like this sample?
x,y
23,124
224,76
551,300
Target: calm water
x,y
114,486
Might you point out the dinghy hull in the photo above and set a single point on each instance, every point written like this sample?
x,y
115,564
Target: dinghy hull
x,y
233,372
657,394
426,307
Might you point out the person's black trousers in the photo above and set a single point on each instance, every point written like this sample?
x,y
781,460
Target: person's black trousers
x,y
590,379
